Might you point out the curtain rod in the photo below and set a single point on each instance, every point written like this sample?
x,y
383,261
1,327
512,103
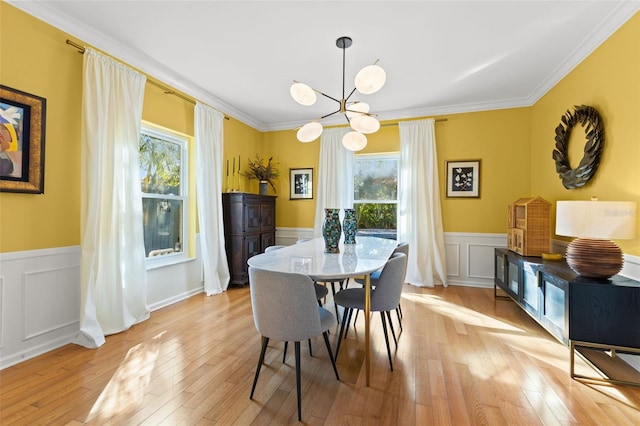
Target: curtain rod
x,y
438,120
166,90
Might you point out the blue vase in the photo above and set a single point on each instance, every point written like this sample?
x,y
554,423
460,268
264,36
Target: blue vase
x,y
331,230
349,226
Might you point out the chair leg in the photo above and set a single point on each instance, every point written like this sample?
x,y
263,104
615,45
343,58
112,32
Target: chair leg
x,y
345,316
265,342
386,339
333,293
346,329
310,351
333,361
398,309
393,332
297,346
284,354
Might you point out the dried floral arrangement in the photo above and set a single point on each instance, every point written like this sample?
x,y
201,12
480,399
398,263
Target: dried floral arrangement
x,y
260,171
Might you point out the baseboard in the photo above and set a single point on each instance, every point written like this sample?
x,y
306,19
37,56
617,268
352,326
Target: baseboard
x,y
177,298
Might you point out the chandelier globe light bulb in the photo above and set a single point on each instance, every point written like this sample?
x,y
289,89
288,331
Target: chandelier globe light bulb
x,y
365,124
354,141
302,94
309,132
356,109
370,79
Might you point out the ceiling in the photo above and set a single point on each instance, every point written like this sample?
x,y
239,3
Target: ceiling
x,y
440,57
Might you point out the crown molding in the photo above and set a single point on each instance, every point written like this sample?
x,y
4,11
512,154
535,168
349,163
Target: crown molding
x,y
613,22
131,57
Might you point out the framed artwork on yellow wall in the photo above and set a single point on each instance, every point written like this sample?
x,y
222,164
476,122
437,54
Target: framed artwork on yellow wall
x,y
301,182
22,131
463,179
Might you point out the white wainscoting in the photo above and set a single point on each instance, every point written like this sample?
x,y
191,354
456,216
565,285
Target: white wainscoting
x,y
40,298
40,289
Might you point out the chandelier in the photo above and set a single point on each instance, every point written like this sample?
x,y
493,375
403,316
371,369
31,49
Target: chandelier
x,y
369,80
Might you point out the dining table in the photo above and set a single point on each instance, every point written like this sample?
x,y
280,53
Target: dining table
x,y
367,255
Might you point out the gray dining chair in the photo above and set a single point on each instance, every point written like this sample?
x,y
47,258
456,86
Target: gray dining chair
x,y
284,308
340,282
402,247
385,297
321,293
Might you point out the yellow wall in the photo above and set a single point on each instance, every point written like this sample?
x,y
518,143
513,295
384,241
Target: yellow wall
x,y
514,145
499,138
53,70
608,80
35,59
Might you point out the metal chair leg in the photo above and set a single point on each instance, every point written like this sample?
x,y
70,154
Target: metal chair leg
x,y
393,332
298,387
265,342
345,316
386,339
333,361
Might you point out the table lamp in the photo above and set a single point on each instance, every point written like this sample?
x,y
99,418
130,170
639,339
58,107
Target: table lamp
x,y
595,223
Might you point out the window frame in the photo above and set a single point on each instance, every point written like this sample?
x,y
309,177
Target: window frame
x,y
183,142
378,156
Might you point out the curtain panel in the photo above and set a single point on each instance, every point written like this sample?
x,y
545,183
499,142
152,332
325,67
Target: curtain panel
x,y
209,150
419,213
113,272
335,176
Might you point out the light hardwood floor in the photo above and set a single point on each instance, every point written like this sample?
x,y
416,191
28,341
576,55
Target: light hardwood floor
x,y
463,358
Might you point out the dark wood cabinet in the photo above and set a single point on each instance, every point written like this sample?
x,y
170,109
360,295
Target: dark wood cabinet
x,y
249,227
597,318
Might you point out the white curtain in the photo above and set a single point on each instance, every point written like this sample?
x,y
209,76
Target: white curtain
x,y
419,214
113,274
209,143
335,176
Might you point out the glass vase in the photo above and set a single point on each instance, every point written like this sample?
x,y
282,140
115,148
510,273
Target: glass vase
x,y
331,230
349,226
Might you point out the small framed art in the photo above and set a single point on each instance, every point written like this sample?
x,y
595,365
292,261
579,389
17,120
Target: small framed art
x,y
22,131
301,182
463,179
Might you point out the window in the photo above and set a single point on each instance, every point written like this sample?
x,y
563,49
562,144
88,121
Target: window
x,y
163,180
375,186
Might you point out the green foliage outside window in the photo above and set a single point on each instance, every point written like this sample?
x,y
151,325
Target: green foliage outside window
x,y
375,181
376,216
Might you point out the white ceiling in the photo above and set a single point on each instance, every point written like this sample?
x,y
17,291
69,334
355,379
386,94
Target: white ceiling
x,y
441,57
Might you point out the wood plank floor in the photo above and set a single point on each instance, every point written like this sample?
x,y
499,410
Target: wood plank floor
x,y
463,358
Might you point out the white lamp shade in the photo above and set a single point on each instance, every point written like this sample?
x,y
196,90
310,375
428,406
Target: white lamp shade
x,y
610,220
302,94
356,109
365,124
309,132
354,141
370,79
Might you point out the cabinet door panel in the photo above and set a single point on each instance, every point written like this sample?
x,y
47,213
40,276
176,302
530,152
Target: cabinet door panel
x,y
531,290
513,280
268,214
251,218
554,314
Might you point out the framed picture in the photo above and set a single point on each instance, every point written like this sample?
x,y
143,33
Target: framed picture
x,y
463,179
22,131
301,181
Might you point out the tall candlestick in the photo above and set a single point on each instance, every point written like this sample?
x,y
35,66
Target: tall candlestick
x,y
238,173
227,167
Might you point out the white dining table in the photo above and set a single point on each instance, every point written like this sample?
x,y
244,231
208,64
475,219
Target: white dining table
x,y
309,258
